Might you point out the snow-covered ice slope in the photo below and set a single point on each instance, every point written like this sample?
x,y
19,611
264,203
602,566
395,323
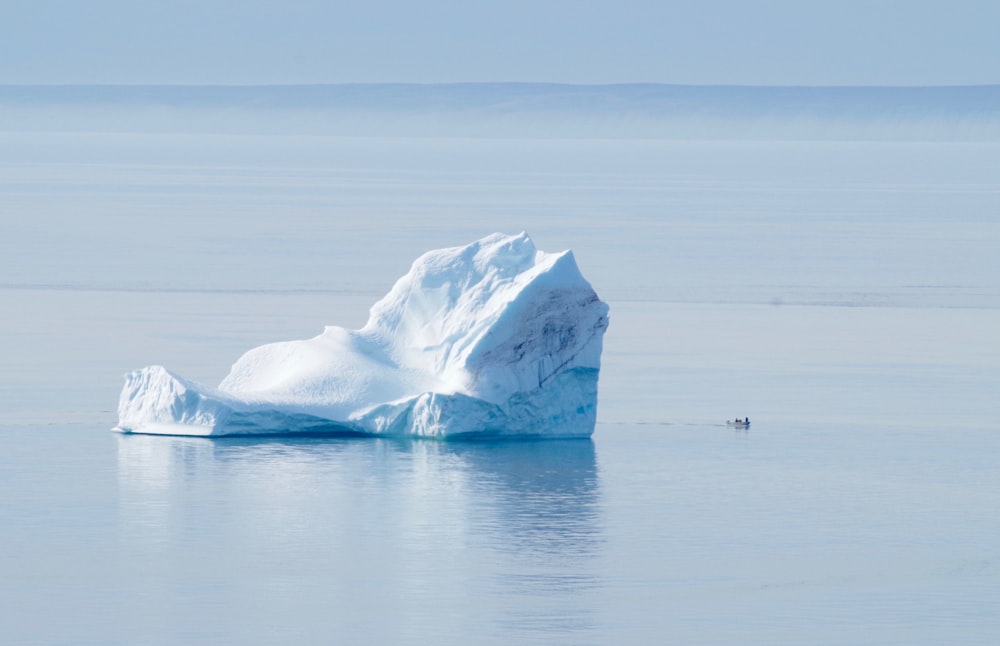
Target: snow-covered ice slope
x,y
494,338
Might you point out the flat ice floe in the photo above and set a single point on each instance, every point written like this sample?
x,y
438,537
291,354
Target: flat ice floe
x,y
491,339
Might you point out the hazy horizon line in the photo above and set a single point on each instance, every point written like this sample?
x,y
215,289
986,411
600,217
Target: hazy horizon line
x,y
510,83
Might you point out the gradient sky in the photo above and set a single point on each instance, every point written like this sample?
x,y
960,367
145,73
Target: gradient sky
x,y
757,42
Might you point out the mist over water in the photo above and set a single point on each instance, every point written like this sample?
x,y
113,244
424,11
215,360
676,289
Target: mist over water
x,y
843,294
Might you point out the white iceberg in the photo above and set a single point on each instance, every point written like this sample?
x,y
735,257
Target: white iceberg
x,y
492,339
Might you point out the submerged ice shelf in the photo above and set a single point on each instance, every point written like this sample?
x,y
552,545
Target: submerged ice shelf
x,y
494,338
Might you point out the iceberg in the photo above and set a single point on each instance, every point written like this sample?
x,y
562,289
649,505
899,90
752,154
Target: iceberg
x,y
491,339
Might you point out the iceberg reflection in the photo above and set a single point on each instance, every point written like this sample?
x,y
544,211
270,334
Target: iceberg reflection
x,y
375,527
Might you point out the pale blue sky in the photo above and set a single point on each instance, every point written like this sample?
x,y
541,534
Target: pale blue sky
x,y
760,42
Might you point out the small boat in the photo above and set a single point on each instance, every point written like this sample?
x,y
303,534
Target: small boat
x,y
738,423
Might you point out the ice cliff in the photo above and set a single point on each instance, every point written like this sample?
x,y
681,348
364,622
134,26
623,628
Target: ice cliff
x,y
491,339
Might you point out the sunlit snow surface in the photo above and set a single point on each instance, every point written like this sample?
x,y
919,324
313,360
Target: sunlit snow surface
x,y
491,339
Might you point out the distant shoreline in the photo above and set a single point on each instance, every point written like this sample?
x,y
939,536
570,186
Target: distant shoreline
x,y
961,112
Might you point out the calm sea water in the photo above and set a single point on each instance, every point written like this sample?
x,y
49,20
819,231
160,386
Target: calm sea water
x,y
846,296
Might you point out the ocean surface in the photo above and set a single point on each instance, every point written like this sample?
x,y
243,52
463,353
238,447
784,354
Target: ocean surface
x,y
843,294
